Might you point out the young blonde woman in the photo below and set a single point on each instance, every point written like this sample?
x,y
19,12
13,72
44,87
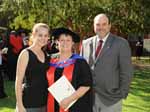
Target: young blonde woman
x,y
31,84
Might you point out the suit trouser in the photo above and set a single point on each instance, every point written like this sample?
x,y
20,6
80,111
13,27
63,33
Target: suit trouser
x,y
100,107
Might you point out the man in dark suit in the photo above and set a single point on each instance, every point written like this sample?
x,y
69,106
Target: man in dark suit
x,y
109,57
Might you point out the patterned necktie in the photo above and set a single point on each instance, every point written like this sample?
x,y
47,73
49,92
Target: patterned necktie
x,y
99,47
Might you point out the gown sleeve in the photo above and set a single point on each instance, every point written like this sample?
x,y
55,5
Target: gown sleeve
x,y
83,73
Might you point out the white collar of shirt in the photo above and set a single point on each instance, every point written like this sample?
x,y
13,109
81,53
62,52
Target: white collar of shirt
x,y
104,39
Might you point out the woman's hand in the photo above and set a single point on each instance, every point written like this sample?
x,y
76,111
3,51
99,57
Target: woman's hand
x,y
20,109
75,96
65,103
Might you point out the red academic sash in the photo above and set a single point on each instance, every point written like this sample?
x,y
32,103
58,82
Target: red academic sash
x,y
68,71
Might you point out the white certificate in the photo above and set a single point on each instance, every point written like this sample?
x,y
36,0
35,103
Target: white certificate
x,y
61,89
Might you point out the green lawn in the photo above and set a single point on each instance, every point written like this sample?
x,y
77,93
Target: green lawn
x,y
137,101
8,104
139,96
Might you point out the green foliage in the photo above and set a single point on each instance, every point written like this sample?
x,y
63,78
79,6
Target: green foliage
x,y
129,16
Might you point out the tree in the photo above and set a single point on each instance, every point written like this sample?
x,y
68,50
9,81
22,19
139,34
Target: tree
x,y
128,16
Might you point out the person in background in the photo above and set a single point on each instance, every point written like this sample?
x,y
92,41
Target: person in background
x,y
139,48
109,57
2,92
24,37
31,84
76,70
15,45
4,49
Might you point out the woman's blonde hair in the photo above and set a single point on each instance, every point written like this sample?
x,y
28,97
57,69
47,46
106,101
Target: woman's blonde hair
x,y
35,29
37,25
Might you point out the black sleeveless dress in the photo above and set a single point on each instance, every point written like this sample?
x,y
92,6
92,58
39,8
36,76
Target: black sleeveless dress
x,y
35,83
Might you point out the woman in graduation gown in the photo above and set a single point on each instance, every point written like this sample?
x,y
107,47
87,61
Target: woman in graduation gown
x,y
76,70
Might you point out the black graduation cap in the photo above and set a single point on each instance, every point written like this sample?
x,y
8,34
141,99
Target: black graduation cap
x,y
57,32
